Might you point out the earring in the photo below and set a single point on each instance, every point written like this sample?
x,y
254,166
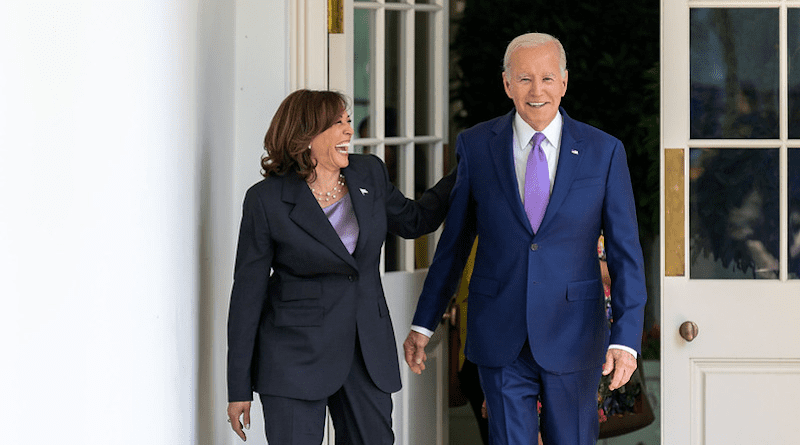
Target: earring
x,y
309,146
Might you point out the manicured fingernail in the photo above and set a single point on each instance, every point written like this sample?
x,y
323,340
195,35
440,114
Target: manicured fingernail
x,y
247,427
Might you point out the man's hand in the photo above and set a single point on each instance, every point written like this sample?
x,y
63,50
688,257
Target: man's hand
x,y
235,410
622,364
414,348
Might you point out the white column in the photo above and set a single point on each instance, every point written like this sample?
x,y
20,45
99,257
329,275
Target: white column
x,y
99,190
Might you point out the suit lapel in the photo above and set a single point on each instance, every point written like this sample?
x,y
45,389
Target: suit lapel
x,y
308,215
500,147
569,159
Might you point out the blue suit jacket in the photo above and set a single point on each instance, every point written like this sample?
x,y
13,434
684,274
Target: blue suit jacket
x,y
545,287
292,332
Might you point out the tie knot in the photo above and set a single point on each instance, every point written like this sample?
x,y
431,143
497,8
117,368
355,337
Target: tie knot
x,y
537,139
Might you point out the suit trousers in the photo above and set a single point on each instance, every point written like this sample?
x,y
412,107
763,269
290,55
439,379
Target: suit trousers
x,y
569,403
361,413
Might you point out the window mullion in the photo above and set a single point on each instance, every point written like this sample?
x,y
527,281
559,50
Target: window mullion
x,y
783,107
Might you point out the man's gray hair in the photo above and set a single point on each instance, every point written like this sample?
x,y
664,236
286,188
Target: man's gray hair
x,y
531,40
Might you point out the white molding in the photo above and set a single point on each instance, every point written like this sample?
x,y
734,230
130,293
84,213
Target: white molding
x,y
704,368
308,44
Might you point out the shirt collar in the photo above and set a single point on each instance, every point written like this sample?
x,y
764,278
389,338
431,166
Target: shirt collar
x,y
525,132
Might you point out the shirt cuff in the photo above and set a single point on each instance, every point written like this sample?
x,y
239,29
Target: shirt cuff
x,y
424,331
624,348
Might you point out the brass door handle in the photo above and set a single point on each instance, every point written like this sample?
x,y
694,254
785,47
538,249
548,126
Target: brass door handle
x,y
688,330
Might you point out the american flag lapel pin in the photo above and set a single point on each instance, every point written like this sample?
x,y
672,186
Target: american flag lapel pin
x,y
574,151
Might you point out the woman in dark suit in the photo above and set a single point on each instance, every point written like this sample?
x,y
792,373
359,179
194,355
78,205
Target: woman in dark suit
x,y
308,326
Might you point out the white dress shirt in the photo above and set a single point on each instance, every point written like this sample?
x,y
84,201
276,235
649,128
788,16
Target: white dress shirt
x,y
522,148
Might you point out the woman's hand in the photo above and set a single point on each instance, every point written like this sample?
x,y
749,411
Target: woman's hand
x,y
235,410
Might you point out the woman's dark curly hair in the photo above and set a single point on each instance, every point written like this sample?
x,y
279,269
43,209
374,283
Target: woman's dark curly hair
x,y
302,116
728,177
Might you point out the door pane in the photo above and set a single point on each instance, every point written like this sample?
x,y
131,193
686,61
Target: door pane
x,y
794,213
423,50
422,164
395,73
734,68
794,72
392,258
734,220
363,20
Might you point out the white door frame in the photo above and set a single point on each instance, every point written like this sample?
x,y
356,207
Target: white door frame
x,y
308,44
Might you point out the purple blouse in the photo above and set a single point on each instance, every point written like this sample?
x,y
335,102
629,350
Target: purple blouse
x,y
343,219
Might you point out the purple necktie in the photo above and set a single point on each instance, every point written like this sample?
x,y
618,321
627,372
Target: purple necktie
x,y
537,183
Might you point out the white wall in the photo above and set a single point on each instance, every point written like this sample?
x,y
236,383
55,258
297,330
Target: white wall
x,y
259,82
126,142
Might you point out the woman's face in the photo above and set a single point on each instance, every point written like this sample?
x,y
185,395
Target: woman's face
x,y
329,149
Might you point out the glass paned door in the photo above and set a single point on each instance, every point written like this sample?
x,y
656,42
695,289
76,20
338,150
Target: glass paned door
x,y
400,103
730,112
395,71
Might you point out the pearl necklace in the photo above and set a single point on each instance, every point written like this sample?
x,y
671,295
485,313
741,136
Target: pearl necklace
x,y
333,193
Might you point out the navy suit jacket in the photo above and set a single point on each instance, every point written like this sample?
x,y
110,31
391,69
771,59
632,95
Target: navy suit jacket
x,y
292,332
546,287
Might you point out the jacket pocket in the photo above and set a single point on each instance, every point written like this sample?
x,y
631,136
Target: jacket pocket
x,y
585,290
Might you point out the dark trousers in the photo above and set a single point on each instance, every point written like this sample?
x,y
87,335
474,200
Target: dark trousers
x,y
471,387
569,404
361,414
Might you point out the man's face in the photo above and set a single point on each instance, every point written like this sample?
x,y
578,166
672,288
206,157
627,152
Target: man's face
x,y
535,84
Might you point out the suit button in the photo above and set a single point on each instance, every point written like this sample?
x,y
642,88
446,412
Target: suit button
x,y
534,247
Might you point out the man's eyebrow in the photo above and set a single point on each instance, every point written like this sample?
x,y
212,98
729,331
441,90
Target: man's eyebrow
x,y
521,75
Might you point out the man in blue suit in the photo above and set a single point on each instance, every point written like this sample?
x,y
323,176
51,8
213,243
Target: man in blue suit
x,y
536,324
